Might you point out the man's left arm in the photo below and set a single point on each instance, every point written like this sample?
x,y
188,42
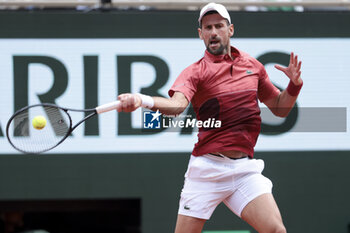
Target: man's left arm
x,y
282,104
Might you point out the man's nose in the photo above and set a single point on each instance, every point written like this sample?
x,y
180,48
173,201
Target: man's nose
x,y
213,32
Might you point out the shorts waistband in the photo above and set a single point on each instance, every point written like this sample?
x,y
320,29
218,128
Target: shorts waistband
x,y
223,156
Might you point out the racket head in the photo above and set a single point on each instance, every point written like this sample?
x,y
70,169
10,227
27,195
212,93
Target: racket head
x,y
25,138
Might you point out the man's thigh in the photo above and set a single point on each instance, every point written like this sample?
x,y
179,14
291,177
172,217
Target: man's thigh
x,y
188,224
263,214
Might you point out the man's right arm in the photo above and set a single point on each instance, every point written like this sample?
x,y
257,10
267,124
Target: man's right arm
x,y
172,106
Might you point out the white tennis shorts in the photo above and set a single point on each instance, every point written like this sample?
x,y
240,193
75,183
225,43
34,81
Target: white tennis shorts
x,y
210,180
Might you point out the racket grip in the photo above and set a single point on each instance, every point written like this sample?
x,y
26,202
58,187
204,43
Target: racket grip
x,y
107,107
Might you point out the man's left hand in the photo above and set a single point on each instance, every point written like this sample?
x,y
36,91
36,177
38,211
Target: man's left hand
x,y
293,70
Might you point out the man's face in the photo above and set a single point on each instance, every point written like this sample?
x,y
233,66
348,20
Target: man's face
x,y
216,34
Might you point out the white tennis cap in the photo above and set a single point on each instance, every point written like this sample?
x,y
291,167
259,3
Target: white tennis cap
x,y
214,7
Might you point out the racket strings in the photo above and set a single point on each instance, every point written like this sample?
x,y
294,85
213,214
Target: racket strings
x,y
24,137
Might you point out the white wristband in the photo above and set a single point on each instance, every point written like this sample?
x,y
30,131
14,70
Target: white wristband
x,y
146,101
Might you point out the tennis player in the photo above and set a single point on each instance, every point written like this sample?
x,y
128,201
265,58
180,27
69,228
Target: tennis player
x,y
225,84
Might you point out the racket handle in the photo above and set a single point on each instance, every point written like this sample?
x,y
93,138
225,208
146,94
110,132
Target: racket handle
x,y
107,107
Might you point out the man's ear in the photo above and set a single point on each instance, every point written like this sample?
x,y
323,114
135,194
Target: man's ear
x,y
200,33
232,30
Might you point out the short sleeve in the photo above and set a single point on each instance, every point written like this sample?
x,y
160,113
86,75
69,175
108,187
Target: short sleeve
x,y
186,83
266,90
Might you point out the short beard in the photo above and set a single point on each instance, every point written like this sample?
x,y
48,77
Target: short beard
x,y
220,51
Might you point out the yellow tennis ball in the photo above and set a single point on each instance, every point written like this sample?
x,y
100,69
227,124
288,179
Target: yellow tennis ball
x,y
39,122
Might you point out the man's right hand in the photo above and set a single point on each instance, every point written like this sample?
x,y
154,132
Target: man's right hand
x,y
129,102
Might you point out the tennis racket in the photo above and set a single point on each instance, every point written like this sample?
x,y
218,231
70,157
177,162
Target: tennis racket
x,y
25,138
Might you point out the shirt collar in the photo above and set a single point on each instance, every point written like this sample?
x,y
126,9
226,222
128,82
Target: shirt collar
x,y
219,58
